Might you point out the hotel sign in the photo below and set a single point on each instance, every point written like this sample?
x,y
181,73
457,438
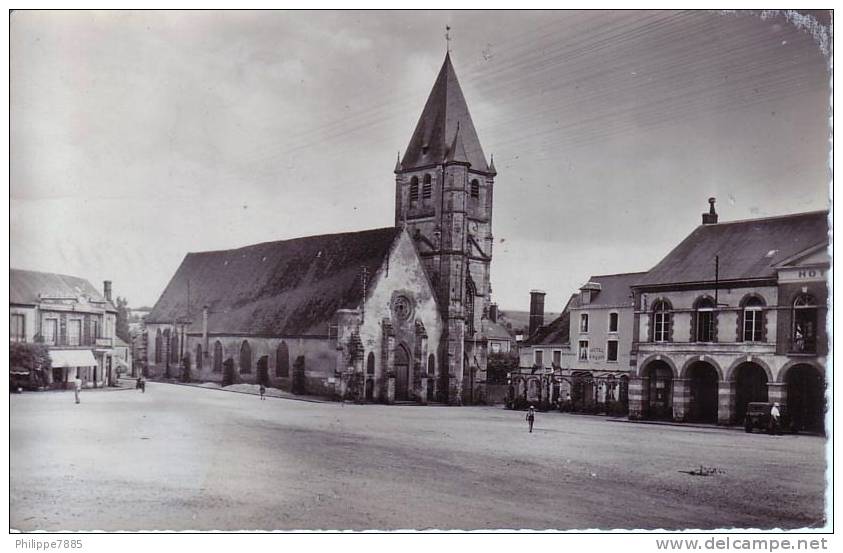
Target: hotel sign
x,y
807,274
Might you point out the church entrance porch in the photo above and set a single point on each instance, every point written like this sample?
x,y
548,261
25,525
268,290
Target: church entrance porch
x,y
402,373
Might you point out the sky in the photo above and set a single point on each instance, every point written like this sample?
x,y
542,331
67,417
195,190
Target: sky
x,y
137,137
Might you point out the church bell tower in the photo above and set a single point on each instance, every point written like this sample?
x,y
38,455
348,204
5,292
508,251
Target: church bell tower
x,y
443,196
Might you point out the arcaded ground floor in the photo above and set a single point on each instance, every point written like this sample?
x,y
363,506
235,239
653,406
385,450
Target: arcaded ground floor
x,y
181,457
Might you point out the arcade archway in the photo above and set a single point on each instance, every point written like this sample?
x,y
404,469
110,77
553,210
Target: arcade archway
x,y
806,397
702,387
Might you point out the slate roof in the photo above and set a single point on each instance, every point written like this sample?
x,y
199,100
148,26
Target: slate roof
x,y
496,331
436,130
25,286
615,290
283,288
748,249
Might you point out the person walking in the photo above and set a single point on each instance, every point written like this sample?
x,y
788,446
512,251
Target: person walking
x,y
263,391
531,417
77,386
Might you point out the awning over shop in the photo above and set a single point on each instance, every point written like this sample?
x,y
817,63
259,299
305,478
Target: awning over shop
x,y
72,358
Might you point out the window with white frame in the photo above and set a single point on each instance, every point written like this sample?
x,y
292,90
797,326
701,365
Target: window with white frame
x,y
753,319
50,331
17,327
74,332
661,321
583,350
557,358
539,358
584,322
613,322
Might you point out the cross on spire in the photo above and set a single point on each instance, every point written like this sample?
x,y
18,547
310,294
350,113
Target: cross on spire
x,y
448,37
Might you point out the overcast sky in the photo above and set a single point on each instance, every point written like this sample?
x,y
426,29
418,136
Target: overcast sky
x,y
139,137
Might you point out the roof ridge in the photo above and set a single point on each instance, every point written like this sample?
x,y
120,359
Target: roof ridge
x,y
49,273
328,235
768,218
620,274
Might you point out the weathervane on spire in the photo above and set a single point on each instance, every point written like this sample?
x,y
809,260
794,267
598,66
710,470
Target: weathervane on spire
x,y
448,37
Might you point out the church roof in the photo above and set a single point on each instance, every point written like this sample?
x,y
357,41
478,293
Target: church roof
x,y
26,287
436,131
748,249
284,288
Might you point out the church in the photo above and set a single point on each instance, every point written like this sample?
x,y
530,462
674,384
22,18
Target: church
x,y
387,315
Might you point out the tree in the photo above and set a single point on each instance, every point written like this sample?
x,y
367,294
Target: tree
x,y
499,365
31,358
122,329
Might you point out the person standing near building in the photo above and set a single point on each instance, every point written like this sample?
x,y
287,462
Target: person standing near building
x,y
263,391
77,385
775,419
531,417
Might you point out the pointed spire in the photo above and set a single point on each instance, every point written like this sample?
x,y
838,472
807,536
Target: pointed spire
x,y
436,129
398,163
492,165
456,153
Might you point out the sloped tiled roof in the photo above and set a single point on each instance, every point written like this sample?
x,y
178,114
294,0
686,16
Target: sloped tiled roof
x,y
25,286
436,130
747,249
615,290
289,287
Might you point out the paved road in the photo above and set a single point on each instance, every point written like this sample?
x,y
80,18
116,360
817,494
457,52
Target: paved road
x,y
191,458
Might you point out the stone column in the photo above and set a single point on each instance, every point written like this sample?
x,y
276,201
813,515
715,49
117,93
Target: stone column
x,y
637,404
726,402
681,398
454,392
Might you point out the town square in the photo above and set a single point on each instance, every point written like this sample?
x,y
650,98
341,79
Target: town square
x,y
406,271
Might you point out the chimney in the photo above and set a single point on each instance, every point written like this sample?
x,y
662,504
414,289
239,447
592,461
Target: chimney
x,y
493,312
711,217
106,289
536,311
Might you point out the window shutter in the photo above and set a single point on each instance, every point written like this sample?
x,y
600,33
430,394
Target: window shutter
x,y
714,326
763,315
86,330
670,326
740,337
693,325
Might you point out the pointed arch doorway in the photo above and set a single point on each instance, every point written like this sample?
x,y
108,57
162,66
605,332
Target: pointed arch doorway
x,y
402,373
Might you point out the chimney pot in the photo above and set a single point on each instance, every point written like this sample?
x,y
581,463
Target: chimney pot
x,y
710,218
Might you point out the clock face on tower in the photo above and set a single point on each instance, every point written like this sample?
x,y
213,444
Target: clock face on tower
x,y
402,306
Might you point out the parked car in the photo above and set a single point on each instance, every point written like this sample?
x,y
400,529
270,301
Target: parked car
x,y
758,416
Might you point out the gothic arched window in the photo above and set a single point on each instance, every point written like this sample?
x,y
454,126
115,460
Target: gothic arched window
x,y
370,363
414,189
661,321
159,346
245,358
217,366
427,187
199,357
282,360
805,324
